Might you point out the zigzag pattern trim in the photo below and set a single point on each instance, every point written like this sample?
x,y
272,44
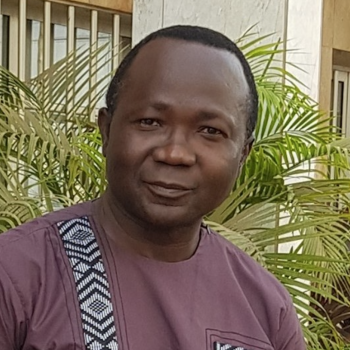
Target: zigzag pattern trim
x,y
91,282
221,346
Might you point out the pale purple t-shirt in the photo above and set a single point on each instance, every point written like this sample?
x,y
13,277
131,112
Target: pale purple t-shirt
x,y
219,299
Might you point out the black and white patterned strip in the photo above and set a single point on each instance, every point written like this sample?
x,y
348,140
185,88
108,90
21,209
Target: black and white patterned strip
x,y
221,346
91,282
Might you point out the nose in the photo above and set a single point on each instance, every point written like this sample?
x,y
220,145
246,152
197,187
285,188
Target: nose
x,y
176,150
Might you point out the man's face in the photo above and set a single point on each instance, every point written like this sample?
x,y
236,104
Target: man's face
x,y
177,138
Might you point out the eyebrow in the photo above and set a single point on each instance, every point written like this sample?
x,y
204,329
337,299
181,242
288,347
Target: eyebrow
x,y
204,116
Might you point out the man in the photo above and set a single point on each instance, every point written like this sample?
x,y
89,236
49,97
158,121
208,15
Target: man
x,y
137,269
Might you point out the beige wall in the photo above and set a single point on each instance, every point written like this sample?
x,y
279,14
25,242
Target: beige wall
x,y
335,35
341,25
314,27
298,22
304,27
231,17
116,5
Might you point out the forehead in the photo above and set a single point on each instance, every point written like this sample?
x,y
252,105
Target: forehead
x,y
170,66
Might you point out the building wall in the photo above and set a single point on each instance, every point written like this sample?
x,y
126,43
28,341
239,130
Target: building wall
x,y
37,33
232,17
116,5
298,22
335,45
304,28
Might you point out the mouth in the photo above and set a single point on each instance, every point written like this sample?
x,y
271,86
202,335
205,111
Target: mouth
x,y
168,190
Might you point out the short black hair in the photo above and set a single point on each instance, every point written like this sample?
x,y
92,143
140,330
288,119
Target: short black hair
x,y
201,35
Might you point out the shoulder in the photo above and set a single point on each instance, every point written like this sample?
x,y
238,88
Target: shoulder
x,y
35,230
249,274
33,270
265,295
27,248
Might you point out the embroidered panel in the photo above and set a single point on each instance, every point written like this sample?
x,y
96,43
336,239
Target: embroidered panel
x,y
91,282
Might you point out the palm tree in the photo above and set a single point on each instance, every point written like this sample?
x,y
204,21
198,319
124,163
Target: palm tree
x,y
49,147
287,209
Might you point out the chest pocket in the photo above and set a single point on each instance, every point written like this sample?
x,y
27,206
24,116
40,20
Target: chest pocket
x,y
221,346
220,340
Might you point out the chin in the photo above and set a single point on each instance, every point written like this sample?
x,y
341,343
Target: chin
x,y
171,220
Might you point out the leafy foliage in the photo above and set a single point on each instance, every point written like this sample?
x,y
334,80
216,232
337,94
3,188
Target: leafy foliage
x,y
287,209
49,148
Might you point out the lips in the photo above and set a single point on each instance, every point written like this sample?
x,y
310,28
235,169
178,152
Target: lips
x,y
168,190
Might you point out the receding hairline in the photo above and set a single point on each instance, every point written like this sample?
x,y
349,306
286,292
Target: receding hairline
x,y
185,42
235,59
188,34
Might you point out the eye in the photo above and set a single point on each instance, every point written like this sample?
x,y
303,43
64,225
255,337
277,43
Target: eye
x,y
209,130
147,122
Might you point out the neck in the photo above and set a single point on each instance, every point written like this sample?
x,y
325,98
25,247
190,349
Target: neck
x,y
170,244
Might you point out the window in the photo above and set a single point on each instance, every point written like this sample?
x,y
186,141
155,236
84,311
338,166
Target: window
x,y
43,32
58,42
341,109
37,33
341,101
34,47
4,38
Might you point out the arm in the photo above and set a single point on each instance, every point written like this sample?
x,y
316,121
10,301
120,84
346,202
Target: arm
x,y
12,319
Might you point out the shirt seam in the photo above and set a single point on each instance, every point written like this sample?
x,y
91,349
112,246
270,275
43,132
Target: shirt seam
x,y
111,282
61,252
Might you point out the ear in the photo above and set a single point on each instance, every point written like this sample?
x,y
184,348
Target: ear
x,y
246,150
104,123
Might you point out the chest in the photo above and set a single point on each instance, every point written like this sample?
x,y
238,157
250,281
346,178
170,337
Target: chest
x,y
112,301
193,306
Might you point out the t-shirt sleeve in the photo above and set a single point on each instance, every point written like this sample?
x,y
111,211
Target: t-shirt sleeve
x,y
12,319
290,335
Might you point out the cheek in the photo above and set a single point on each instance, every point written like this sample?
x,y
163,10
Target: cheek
x,y
221,173
218,184
120,148
118,161
125,157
